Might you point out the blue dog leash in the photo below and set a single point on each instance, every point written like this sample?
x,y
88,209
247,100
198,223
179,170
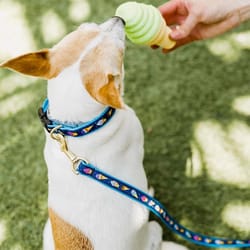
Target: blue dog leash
x,y
87,169
82,166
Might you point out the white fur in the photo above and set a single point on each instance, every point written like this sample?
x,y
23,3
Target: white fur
x,y
109,220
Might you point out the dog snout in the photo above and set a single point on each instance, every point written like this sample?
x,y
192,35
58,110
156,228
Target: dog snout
x,y
116,26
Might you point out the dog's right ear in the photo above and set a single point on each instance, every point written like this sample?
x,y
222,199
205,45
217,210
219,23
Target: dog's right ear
x,y
33,64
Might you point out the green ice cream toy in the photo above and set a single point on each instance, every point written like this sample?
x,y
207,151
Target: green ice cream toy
x,y
145,25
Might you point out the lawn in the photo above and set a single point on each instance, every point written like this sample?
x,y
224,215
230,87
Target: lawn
x,y
194,105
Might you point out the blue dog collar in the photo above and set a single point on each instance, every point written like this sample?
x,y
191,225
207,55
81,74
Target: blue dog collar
x,y
75,130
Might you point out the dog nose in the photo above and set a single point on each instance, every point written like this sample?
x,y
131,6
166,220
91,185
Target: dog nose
x,y
119,19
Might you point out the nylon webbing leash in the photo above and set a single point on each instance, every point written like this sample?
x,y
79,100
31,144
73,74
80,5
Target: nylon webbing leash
x,y
155,207
83,167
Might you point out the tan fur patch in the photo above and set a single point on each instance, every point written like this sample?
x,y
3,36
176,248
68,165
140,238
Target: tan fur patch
x,y
67,237
35,64
110,95
48,63
68,50
99,76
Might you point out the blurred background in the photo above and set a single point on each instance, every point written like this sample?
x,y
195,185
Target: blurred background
x,y
194,105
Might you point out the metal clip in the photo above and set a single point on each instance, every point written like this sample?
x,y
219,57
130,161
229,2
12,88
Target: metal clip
x,y
64,148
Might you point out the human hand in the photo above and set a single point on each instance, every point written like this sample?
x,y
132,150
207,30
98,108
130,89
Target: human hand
x,y
201,19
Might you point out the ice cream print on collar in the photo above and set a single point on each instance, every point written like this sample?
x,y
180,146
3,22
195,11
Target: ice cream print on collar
x,y
78,129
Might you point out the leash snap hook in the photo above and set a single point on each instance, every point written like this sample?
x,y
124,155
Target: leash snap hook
x,y
75,160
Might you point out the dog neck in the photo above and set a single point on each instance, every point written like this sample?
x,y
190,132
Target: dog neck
x,y
68,99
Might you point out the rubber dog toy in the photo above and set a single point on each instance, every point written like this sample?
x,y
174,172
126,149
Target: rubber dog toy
x,y
145,25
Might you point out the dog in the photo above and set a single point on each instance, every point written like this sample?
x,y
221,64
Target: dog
x,y
85,74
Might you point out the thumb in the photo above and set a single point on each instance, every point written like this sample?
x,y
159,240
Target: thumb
x,y
185,29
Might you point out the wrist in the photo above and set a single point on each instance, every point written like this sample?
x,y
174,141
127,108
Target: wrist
x,y
242,7
244,13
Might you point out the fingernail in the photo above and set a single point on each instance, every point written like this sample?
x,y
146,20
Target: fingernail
x,y
176,34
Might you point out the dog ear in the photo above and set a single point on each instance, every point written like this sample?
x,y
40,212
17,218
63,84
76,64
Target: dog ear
x,y
101,72
104,89
34,64
109,94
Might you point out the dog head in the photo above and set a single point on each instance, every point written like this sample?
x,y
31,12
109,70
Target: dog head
x,y
95,50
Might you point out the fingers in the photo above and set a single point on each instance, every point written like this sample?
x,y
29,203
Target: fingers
x,y
185,29
184,22
212,30
175,20
179,42
174,12
169,8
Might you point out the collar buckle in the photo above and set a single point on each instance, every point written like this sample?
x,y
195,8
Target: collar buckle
x,y
44,119
77,130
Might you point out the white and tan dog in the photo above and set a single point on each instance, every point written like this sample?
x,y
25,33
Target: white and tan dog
x,y
85,74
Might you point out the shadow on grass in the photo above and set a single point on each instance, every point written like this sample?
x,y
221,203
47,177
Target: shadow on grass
x,y
178,91
23,178
171,94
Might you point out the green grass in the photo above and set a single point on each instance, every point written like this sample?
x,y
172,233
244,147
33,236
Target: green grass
x,y
194,107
